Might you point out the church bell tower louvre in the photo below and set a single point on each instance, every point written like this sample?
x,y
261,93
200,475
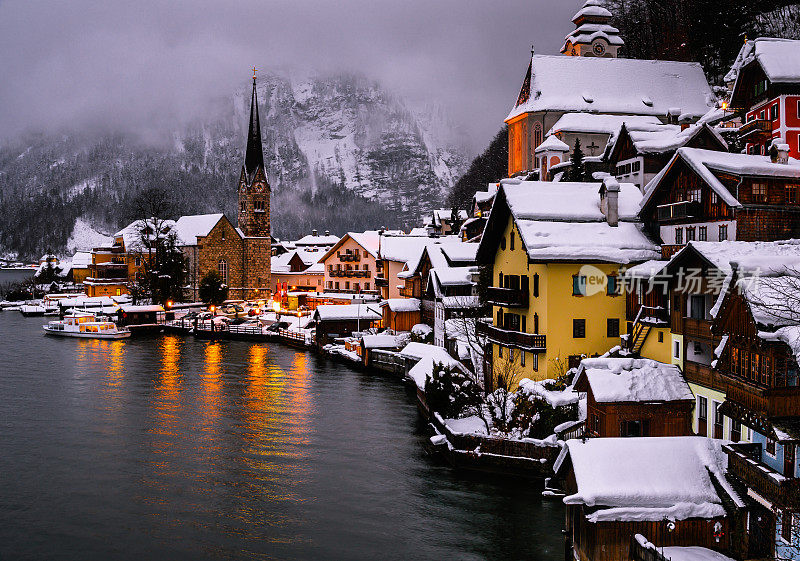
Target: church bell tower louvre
x,y
254,189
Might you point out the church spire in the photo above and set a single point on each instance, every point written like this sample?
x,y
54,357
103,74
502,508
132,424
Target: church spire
x,y
254,157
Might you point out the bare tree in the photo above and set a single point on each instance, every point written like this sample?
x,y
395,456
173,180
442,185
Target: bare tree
x,y
506,374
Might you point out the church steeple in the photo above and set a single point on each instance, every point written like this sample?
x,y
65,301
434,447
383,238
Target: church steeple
x,y
254,157
254,190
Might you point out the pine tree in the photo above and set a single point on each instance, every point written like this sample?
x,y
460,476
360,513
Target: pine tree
x,y
212,289
578,169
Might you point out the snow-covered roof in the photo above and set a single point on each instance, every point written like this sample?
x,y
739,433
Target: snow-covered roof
x,y
81,260
665,138
402,248
648,479
368,240
706,162
552,143
764,258
646,270
779,58
417,351
419,231
615,85
189,228
454,276
461,302
634,380
563,221
132,233
459,252
592,8
603,124
768,296
398,305
384,341
311,239
341,312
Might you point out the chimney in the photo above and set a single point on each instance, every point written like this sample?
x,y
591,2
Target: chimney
x,y
327,232
779,152
609,200
684,121
314,233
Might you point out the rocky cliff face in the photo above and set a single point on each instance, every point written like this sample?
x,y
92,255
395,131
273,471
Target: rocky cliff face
x,y
341,153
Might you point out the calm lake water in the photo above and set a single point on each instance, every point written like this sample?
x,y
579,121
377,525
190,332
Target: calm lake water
x,y
171,448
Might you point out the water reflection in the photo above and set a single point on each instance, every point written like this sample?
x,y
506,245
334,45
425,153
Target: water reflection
x,y
232,450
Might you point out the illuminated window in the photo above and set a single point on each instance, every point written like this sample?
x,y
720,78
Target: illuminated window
x,y
222,267
791,193
759,192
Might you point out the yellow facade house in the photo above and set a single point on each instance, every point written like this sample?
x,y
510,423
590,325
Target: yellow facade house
x,y
556,250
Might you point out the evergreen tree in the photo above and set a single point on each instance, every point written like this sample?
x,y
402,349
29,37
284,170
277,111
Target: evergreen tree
x,y
490,167
212,290
577,171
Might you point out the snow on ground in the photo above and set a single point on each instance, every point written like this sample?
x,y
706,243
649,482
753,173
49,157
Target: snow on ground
x,y
85,237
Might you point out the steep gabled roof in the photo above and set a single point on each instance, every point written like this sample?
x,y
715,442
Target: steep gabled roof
x,y
613,85
189,228
778,58
563,222
705,162
254,154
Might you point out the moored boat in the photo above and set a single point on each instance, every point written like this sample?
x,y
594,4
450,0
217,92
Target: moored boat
x,y
85,326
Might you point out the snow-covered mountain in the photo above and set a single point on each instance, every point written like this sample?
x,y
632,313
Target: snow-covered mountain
x,y
341,153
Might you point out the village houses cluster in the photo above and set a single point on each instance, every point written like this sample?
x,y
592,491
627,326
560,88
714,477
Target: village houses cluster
x,y
630,252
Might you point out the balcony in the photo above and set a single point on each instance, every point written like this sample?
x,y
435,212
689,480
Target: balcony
x,y
755,130
508,297
381,282
703,375
349,257
744,463
679,210
697,329
532,342
769,402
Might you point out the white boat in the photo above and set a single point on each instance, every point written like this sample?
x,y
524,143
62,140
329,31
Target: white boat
x,y
86,326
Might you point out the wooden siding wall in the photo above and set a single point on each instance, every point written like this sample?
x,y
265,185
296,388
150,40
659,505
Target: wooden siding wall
x,y
610,541
665,419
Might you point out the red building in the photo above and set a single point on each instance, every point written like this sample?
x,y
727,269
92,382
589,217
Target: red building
x,y
766,78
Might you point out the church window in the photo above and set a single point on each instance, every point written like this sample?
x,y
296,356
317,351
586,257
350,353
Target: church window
x,y
222,267
258,205
537,134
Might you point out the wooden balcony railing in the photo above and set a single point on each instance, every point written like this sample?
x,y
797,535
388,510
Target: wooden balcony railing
x,y
508,297
697,328
381,282
533,342
679,210
704,375
755,128
770,402
349,257
744,464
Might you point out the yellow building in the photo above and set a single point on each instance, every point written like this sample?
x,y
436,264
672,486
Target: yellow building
x,y
556,250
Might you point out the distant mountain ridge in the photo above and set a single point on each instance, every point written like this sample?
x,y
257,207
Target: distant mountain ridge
x,y
341,153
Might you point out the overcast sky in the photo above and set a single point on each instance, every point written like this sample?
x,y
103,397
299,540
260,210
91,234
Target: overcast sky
x,y
135,62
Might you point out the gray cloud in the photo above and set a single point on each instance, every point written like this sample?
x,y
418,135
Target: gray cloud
x,y
144,63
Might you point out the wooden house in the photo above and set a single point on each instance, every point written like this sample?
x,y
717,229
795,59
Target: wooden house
x,y
634,397
638,153
401,314
671,489
759,324
334,321
705,195
766,87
